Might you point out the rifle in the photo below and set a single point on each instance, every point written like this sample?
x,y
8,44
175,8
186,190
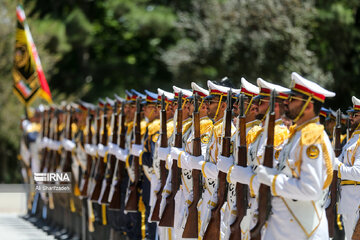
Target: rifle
x,y
132,201
213,228
67,163
45,133
95,164
241,189
163,172
331,209
89,158
115,202
264,191
191,226
51,135
167,218
111,162
57,157
100,167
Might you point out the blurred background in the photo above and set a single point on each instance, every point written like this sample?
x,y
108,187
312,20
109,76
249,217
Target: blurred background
x,y
91,49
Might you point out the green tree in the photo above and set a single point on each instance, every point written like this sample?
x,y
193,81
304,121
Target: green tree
x,y
267,39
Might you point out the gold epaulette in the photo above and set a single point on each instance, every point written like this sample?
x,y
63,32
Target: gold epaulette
x,y
170,127
143,125
74,128
312,134
109,128
129,126
34,127
253,133
206,126
342,137
186,125
281,134
61,126
154,127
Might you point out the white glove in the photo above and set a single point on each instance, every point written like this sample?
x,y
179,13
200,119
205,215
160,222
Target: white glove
x,y
266,175
113,148
90,149
241,174
68,145
336,163
44,142
55,145
136,149
175,152
195,162
101,149
122,154
224,163
163,153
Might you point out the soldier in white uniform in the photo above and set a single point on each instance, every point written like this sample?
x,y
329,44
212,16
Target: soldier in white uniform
x,y
161,154
216,105
251,111
348,166
256,140
179,197
183,154
300,182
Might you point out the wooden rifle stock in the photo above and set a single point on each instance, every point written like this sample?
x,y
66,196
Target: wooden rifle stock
x,y
264,191
241,189
68,156
191,225
132,201
95,159
213,228
99,176
112,159
167,218
46,133
52,132
331,209
163,172
115,203
89,158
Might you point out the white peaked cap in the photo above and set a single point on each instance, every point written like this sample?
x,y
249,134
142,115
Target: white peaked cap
x,y
267,87
356,103
199,90
168,95
235,91
215,89
185,93
248,88
309,88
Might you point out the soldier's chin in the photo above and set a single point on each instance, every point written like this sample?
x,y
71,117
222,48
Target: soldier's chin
x,y
260,116
289,115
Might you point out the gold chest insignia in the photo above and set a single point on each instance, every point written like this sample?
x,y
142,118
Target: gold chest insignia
x,y
312,152
205,138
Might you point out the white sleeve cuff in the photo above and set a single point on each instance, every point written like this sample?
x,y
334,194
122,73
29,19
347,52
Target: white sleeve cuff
x,y
113,148
163,153
136,149
122,154
102,150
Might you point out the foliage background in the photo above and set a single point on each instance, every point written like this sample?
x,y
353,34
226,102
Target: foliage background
x,y
91,49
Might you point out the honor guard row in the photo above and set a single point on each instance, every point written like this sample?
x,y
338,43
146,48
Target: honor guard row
x,y
260,162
